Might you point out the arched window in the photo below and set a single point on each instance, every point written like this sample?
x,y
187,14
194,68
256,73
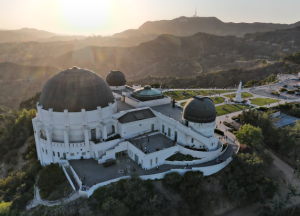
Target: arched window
x,y
43,134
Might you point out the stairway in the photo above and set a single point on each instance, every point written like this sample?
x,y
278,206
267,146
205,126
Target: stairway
x,y
70,173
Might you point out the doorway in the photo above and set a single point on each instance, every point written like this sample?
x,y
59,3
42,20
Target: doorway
x,y
175,136
93,134
136,158
152,127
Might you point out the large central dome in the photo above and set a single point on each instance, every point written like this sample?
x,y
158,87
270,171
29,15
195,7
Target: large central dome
x,y
75,89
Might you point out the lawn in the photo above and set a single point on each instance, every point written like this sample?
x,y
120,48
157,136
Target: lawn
x,y
216,100
262,101
177,95
230,108
244,95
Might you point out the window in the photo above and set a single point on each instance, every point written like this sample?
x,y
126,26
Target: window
x,y
163,129
113,129
83,153
169,132
46,151
43,149
150,162
212,144
192,140
142,162
156,160
58,154
72,154
152,127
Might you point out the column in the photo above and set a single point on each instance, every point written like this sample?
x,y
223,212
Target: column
x,y
49,143
67,143
104,133
86,137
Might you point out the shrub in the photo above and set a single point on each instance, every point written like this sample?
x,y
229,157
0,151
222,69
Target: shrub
x,y
117,136
219,131
172,180
291,92
282,89
264,109
50,178
275,93
297,105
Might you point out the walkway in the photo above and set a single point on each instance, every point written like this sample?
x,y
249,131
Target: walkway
x,y
37,200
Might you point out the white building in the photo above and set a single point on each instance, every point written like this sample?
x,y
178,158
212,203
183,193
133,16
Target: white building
x,y
77,118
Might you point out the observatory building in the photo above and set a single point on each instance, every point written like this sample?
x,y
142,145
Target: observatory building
x,y
80,116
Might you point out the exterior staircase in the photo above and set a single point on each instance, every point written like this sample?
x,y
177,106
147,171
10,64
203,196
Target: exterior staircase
x,y
70,173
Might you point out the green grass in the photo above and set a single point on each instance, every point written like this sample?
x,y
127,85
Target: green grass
x,y
178,96
229,108
216,100
244,95
262,101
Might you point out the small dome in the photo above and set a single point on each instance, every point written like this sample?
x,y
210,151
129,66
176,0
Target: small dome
x,y
115,78
147,93
199,110
75,89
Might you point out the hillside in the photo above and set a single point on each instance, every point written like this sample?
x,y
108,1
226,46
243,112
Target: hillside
x,y
186,26
19,82
289,36
167,55
220,79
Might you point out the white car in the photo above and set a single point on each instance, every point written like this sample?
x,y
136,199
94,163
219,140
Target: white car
x,y
295,78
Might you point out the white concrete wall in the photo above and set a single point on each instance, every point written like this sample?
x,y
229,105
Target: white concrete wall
x,y
68,177
138,104
138,127
207,129
117,87
206,172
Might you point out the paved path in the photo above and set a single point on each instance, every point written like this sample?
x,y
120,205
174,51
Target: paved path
x,y
37,200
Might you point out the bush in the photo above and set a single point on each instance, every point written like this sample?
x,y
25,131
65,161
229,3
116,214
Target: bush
x,y
172,180
291,92
117,136
219,131
282,89
50,178
264,109
275,93
181,157
235,118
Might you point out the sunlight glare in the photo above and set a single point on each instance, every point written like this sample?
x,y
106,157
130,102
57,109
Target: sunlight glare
x,y
87,14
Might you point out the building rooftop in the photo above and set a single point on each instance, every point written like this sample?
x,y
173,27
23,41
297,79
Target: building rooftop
x,y
285,120
136,116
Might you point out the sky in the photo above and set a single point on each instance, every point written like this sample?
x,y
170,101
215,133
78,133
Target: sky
x,y
106,17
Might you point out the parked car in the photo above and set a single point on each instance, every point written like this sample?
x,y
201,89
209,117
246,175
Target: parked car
x,y
295,78
284,86
296,85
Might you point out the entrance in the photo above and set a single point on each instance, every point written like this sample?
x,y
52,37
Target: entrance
x,y
93,134
64,156
175,136
152,127
119,154
136,158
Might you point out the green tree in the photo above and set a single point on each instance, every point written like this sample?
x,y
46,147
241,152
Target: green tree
x,y
114,207
250,135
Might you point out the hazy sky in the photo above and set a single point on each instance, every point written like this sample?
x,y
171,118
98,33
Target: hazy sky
x,y
110,16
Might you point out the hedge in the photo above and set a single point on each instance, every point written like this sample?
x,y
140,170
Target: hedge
x,y
219,132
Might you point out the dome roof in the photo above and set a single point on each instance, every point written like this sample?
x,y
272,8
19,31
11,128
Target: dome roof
x,y
199,110
115,78
147,93
75,89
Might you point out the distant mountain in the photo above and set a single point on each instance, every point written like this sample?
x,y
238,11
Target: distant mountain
x,y
283,36
167,55
186,26
30,34
19,82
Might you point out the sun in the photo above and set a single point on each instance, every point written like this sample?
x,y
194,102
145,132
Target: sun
x,y
85,14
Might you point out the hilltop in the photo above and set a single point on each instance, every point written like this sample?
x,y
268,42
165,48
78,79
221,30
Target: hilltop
x,y
186,26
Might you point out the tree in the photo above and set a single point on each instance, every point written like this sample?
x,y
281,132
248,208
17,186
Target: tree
x,y
246,179
114,207
250,135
